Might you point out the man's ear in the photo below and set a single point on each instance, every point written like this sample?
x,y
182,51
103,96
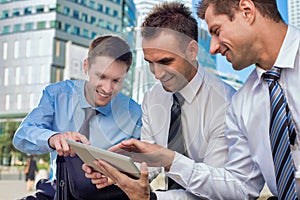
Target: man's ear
x,y
248,9
85,65
192,50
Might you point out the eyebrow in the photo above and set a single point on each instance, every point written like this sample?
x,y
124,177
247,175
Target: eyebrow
x,y
161,61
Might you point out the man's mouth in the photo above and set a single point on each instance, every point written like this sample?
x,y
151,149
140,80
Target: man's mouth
x,y
102,94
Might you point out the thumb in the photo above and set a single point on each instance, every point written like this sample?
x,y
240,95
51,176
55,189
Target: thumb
x,y
144,172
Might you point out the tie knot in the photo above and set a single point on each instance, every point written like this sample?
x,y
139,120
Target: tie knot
x,y
178,98
272,75
90,112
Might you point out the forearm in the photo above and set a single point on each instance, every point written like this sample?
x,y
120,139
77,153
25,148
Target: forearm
x,y
215,183
33,140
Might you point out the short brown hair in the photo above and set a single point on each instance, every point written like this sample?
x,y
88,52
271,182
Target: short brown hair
x,y
110,46
268,8
173,16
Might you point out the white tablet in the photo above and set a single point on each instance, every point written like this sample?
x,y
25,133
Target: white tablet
x,y
89,153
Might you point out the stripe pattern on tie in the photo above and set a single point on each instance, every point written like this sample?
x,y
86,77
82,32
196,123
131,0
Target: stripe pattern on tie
x,y
175,139
282,134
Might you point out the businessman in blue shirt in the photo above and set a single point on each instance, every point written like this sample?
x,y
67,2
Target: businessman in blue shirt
x,y
60,112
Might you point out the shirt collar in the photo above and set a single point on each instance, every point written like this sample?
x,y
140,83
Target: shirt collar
x,y
287,51
190,91
105,110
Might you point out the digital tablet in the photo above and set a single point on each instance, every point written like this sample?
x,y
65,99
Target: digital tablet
x,y
89,153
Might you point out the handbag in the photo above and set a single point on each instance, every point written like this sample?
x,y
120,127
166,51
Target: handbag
x,y
71,183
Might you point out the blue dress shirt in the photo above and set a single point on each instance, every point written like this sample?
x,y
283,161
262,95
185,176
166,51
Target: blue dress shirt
x,y
61,109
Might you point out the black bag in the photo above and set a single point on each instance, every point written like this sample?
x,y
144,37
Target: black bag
x,y
72,184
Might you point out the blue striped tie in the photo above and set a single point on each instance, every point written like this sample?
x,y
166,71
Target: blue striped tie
x,y
282,134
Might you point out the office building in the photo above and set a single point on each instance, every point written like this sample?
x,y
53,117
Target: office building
x,y
294,12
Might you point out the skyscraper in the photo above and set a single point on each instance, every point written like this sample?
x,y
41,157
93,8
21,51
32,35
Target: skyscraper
x,y
294,12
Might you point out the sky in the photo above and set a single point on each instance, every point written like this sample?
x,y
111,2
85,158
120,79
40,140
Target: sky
x,y
225,66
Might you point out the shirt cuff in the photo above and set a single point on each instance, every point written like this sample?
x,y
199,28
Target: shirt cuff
x,y
181,169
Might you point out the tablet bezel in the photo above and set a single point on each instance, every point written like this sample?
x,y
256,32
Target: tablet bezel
x,y
89,153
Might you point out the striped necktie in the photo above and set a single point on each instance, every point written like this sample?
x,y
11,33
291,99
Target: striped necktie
x,y
282,134
175,139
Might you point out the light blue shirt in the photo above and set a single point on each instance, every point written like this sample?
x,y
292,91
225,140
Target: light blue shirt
x,y
61,109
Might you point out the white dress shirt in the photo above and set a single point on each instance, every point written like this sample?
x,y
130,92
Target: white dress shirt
x,y
250,161
203,122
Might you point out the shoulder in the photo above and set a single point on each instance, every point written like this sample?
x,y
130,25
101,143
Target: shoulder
x,y
127,103
67,86
217,85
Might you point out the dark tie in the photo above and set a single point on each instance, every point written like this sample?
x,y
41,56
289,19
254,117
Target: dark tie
x,y
175,139
85,127
282,134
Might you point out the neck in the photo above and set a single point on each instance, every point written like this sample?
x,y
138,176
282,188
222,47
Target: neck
x,y
269,42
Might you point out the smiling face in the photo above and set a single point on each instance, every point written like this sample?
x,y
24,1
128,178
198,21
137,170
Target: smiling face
x,y
233,39
171,66
105,80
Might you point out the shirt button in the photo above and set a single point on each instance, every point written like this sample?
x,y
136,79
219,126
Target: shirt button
x,y
177,177
294,147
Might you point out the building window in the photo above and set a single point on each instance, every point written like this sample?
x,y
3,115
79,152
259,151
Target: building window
x,y
68,28
115,13
19,101
76,14
17,28
29,26
39,9
5,14
6,29
16,12
101,23
85,33
66,11
28,48
7,102
93,20
53,24
18,72
57,48
109,26
94,35
16,49
84,2
76,30
41,25
84,17
92,4
6,76
100,7
4,55
108,10
56,74
27,11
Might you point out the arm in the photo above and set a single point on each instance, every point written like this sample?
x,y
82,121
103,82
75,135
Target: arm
x,y
35,135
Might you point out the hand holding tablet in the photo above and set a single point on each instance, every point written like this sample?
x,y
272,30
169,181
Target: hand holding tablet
x,y
89,153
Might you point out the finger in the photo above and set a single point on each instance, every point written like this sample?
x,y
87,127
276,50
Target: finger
x,y
86,168
83,139
144,172
108,170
